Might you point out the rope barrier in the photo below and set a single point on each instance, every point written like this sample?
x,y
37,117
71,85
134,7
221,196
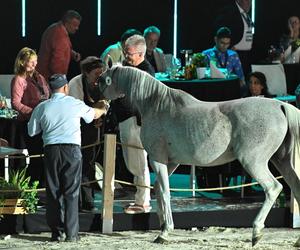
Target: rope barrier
x,y
197,189
150,187
128,183
83,147
42,155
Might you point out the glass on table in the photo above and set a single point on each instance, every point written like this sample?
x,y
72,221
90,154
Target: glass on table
x,y
3,104
174,67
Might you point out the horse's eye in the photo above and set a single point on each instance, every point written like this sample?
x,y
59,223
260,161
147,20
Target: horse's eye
x,y
108,80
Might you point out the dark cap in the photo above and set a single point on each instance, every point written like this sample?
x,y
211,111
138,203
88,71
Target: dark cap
x,y
57,81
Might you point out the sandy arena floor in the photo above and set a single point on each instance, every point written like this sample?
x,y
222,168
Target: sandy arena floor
x,y
210,238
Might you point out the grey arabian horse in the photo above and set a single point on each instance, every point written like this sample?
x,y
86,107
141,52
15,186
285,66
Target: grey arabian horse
x,y
179,129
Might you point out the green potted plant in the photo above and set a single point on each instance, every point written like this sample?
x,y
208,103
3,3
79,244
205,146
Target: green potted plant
x,y
16,199
199,60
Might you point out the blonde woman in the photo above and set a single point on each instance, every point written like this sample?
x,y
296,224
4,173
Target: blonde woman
x,y
28,87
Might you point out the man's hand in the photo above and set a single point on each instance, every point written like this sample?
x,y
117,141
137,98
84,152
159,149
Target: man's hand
x,y
101,104
101,107
76,56
99,112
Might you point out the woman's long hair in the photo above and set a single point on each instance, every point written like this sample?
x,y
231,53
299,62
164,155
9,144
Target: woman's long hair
x,y
23,56
262,80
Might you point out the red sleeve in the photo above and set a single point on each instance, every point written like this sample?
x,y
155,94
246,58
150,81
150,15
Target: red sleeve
x,y
61,52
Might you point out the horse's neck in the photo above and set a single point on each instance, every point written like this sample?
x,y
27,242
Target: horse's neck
x,y
149,95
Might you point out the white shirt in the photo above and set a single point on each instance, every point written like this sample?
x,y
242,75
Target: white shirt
x,y
59,119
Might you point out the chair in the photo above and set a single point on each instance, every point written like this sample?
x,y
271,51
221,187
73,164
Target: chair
x,y
276,80
3,142
5,81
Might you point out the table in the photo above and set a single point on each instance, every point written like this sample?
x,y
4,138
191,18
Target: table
x,y
13,131
211,90
5,152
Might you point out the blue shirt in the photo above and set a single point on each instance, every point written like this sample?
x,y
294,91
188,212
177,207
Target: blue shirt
x,y
59,119
229,60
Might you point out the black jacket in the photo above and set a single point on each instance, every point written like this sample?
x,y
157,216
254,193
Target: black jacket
x,y
230,17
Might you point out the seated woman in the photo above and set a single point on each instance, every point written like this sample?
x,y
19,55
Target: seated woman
x,y
257,85
28,87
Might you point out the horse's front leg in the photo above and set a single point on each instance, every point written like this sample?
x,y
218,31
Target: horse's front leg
x,y
163,200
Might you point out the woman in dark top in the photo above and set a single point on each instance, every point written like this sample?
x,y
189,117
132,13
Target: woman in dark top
x,y
257,85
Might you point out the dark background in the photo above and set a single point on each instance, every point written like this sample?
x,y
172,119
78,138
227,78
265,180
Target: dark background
x,y
194,24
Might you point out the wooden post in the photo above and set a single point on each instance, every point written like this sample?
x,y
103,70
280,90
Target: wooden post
x,y
193,180
6,170
108,183
294,204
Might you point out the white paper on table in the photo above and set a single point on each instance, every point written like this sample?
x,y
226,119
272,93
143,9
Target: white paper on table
x,y
215,72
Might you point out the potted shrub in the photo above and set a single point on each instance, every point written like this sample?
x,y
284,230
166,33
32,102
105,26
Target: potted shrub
x,y
16,199
199,60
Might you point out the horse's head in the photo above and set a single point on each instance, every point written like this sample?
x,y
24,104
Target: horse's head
x,y
107,84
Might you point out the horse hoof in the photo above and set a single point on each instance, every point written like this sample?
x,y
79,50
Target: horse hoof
x,y
161,240
256,239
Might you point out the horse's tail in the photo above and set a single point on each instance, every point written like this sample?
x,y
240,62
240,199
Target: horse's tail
x,y
292,115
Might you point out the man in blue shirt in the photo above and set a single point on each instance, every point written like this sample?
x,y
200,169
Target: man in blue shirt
x,y
59,121
224,57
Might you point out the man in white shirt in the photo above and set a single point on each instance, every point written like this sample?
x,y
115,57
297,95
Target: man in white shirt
x,y
58,119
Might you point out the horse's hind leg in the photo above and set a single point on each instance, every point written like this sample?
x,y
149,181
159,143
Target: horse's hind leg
x,y
286,169
162,192
271,187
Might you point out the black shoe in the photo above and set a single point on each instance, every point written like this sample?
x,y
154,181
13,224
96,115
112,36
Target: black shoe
x,y
72,239
59,237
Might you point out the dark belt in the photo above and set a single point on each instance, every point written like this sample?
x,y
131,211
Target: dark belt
x,y
63,144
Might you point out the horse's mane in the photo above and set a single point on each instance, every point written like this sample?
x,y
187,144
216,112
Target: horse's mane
x,y
141,87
